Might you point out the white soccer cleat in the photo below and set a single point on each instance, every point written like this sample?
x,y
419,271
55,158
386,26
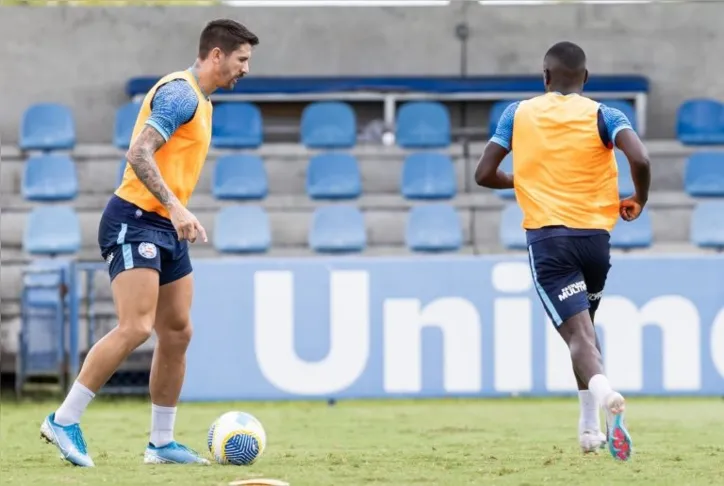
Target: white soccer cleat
x,y
591,441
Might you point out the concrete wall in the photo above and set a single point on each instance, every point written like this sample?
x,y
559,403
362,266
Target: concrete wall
x,y
83,56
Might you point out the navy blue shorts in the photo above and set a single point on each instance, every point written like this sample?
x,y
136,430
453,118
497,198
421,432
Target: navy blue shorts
x,y
137,240
570,273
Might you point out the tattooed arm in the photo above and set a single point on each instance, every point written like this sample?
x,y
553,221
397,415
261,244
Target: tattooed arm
x,y
140,157
173,105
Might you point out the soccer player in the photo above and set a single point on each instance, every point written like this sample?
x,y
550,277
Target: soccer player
x,y
143,236
565,181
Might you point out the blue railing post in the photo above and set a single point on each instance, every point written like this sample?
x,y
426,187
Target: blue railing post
x,y
74,356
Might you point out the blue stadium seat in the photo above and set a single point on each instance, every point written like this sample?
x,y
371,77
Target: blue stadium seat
x,y
427,175
337,229
626,108
121,170
496,111
704,174
328,124
433,228
50,177
333,176
239,176
47,126
506,166
52,230
423,124
512,234
634,234
700,122
237,125
707,224
625,179
242,229
125,121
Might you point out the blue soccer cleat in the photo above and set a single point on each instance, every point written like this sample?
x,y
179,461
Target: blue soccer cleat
x,y
172,453
68,439
620,444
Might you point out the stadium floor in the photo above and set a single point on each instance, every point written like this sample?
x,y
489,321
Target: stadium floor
x,y
440,442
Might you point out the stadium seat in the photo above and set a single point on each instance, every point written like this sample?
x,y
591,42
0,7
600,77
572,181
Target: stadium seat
x,y
125,121
428,175
333,176
506,166
433,228
634,234
337,229
50,177
242,229
496,111
328,124
707,225
704,174
239,176
47,126
52,230
626,108
237,125
625,179
700,122
423,124
512,235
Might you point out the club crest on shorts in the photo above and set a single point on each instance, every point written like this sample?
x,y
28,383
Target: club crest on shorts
x,y
147,250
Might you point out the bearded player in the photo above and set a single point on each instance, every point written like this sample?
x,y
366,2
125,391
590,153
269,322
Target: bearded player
x,y
144,235
565,179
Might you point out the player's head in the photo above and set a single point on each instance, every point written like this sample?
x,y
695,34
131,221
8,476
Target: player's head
x,y
564,68
225,45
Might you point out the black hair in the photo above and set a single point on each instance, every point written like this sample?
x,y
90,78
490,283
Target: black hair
x,y
225,34
566,63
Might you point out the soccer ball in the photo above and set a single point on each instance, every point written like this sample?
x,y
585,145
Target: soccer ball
x,y
236,438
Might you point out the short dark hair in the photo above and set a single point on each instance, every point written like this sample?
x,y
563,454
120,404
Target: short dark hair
x,y
225,34
568,55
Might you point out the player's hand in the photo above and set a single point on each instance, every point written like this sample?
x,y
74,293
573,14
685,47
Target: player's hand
x,y
630,208
186,225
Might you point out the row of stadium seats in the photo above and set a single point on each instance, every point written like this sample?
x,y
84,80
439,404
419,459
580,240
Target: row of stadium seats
x,y
55,229
332,124
425,175
324,125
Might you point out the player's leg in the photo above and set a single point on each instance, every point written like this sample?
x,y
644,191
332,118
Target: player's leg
x,y
134,293
556,265
590,436
173,332
134,284
596,253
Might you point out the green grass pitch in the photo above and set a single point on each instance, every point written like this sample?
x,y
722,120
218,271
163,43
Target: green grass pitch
x,y
426,442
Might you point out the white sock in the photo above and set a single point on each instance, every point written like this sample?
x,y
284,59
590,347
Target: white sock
x,y
74,405
590,418
162,422
601,389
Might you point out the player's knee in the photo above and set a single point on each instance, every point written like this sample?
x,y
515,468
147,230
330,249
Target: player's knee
x,y
137,331
176,335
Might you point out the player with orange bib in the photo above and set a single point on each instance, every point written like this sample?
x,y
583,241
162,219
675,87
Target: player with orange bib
x,y
565,180
143,236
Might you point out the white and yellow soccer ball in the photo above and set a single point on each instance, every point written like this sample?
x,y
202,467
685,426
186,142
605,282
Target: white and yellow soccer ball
x,y
236,438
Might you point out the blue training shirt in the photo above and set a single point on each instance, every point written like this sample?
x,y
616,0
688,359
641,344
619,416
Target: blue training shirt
x,y
173,105
610,122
